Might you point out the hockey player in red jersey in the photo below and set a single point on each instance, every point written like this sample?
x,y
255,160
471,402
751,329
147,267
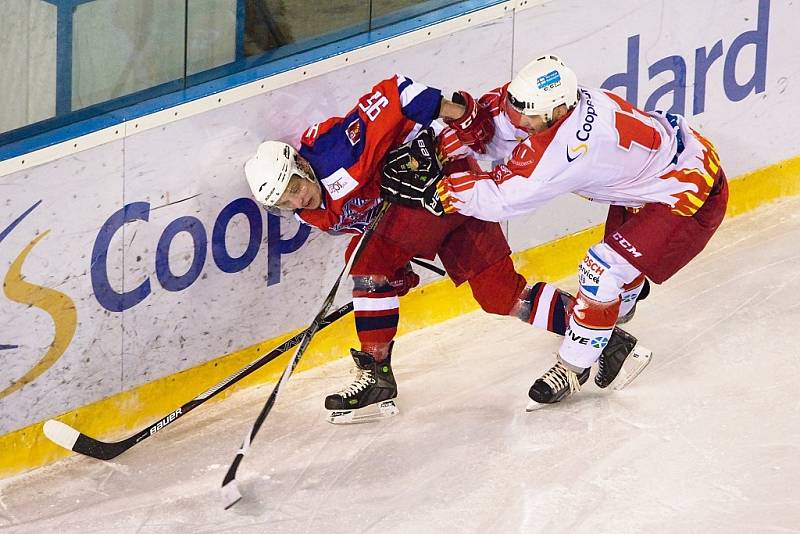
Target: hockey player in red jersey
x,y
333,183
662,178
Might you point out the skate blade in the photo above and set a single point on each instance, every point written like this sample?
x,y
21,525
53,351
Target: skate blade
x,y
533,406
633,366
373,412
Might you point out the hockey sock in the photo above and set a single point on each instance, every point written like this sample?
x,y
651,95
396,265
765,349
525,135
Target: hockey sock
x,y
590,327
377,312
545,306
630,294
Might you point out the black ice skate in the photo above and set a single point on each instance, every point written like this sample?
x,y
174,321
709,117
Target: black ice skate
x,y
371,396
621,360
559,382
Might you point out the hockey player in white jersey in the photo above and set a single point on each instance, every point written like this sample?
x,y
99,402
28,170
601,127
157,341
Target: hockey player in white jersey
x,y
663,180
333,183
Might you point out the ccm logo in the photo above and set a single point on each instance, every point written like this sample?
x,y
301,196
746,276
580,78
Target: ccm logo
x,y
627,245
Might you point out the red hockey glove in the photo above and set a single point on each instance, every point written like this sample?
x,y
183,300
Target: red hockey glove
x,y
475,128
404,280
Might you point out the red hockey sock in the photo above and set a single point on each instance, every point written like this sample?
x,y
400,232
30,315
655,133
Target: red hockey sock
x,y
377,312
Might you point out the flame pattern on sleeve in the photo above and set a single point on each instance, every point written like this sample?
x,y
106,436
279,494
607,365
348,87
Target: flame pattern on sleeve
x,y
701,179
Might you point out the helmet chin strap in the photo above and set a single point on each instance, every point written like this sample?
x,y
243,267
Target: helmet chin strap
x,y
550,119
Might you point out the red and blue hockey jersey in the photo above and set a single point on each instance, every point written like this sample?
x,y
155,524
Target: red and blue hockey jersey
x,y
347,153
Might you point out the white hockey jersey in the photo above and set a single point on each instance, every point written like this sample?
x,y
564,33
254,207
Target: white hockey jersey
x,y
605,150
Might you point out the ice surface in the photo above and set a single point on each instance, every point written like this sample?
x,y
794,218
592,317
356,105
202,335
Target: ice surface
x,y
707,439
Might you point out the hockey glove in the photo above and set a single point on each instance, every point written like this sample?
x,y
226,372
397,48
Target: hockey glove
x,y
411,172
475,128
404,280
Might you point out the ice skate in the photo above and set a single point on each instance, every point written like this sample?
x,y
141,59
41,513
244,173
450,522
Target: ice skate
x,y
559,382
370,396
621,360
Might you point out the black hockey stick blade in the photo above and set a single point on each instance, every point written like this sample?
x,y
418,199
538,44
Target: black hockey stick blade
x,y
72,439
230,489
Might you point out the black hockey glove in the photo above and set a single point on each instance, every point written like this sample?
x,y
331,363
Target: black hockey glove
x,y
411,173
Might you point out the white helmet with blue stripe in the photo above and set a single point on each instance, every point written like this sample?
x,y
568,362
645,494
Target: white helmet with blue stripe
x,y
541,86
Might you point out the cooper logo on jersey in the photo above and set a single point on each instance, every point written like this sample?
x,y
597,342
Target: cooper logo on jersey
x,y
591,114
339,184
578,151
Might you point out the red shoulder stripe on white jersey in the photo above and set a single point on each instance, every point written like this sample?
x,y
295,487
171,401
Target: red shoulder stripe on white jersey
x,y
493,100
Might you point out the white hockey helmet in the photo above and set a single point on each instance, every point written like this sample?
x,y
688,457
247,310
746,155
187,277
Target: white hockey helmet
x,y
541,86
269,171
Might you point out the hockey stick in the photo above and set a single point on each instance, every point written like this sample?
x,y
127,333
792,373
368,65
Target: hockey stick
x,y
70,438
230,490
429,266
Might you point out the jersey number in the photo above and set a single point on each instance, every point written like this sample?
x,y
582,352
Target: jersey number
x,y
631,129
373,106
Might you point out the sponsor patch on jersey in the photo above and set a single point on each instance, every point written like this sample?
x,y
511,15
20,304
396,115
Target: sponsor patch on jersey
x,y
549,80
578,151
592,290
354,132
523,156
339,184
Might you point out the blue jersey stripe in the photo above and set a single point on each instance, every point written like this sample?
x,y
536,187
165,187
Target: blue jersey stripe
x,y
424,107
332,150
598,260
403,84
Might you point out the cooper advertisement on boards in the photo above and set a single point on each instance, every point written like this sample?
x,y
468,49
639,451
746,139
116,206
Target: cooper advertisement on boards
x,y
145,256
